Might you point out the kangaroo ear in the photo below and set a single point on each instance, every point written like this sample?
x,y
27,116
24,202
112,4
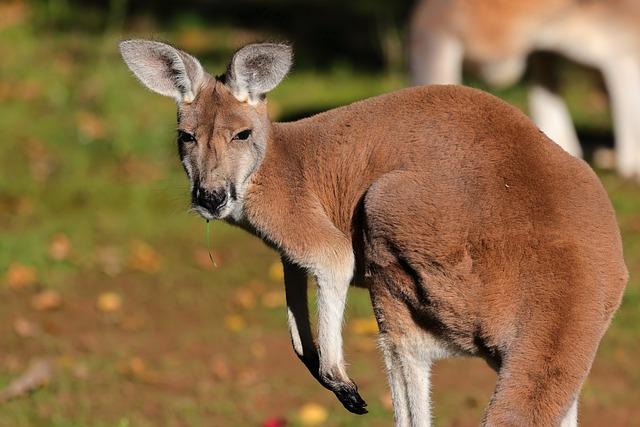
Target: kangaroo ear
x,y
163,69
256,69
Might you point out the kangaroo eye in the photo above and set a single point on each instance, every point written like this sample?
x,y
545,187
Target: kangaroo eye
x,y
185,137
241,136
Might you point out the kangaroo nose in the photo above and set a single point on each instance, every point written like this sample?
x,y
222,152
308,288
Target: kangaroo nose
x,y
211,201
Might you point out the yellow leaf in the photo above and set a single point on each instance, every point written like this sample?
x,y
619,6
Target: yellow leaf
x,y
275,272
108,302
312,414
234,322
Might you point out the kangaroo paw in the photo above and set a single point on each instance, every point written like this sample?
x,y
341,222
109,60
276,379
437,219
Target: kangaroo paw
x,y
348,395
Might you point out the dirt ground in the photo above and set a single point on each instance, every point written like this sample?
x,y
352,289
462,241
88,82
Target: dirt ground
x,y
163,359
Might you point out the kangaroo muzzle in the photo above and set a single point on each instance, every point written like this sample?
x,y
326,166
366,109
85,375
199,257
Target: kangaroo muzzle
x,y
212,202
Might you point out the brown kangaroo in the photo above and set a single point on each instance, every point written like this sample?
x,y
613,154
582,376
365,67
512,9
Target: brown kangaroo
x,y
474,233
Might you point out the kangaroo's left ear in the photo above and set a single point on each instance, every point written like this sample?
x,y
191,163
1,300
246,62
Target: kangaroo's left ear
x,y
163,68
256,69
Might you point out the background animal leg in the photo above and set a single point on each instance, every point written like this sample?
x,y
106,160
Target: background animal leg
x,y
547,107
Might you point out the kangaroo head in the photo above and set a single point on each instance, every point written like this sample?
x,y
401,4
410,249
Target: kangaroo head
x,y
223,126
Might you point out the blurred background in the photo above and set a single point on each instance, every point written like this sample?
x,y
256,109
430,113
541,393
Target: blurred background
x,y
111,312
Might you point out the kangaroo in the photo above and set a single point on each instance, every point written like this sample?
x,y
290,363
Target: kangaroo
x,y
474,233
498,35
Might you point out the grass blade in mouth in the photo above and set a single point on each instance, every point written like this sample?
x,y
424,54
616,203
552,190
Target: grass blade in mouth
x,y
208,238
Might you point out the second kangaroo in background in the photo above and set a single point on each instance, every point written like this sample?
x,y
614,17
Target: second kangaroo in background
x,y
474,233
498,35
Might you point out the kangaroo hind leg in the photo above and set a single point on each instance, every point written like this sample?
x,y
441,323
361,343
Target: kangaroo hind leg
x,y
406,352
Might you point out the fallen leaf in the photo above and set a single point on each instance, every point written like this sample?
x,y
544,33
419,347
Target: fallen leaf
x,y
25,328
273,299
220,369
109,302
244,298
143,257
276,273
364,326
110,260
46,301
234,322
137,370
136,365
20,276
38,374
312,414
59,247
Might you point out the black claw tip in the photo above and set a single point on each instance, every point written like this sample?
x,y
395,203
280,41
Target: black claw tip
x,y
351,400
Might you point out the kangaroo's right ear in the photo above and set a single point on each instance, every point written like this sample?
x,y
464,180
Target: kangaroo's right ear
x,y
163,69
256,69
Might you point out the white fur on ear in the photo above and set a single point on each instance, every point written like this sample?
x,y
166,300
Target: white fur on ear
x,y
256,69
163,68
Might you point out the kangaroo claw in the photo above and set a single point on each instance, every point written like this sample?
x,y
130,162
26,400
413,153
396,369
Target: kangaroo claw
x,y
348,395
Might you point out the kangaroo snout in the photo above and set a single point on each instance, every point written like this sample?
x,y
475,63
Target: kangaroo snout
x,y
210,201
